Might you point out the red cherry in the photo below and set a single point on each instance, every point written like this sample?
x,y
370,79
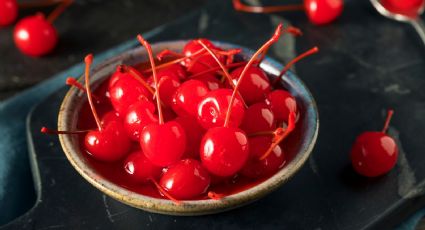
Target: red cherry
x,y
185,179
102,143
193,46
224,150
8,12
210,80
109,144
254,86
213,108
35,36
374,153
281,103
323,11
167,88
163,144
139,115
178,70
258,117
256,168
110,117
140,169
409,8
188,96
127,91
119,73
194,133
203,61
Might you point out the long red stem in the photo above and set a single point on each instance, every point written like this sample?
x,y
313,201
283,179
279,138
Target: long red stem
x,y
59,10
272,40
155,77
295,60
165,193
238,5
280,135
138,76
168,52
51,131
390,113
89,60
74,82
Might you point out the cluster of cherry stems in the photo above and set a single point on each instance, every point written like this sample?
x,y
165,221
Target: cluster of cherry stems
x,y
197,123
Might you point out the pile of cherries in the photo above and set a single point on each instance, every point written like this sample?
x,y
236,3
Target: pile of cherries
x,y
191,120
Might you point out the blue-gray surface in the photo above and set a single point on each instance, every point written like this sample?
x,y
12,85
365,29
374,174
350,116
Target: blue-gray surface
x,y
14,170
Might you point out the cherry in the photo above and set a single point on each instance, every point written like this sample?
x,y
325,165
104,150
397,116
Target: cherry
x,y
224,150
281,103
374,153
125,90
35,36
194,133
140,169
256,168
258,117
102,143
255,85
139,115
188,96
178,70
185,179
120,72
202,62
164,143
167,88
323,11
210,80
214,107
8,12
408,8
192,47
110,117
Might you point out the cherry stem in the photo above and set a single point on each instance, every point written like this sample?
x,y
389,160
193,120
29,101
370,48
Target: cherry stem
x,y
280,135
215,196
138,76
261,133
293,61
89,60
74,82
226,73
40,3
390,113
168,52
51,131
265,46
238,5
165,193
232,65
155,77
59,10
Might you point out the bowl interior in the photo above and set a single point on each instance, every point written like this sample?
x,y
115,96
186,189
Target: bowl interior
x,y
302,139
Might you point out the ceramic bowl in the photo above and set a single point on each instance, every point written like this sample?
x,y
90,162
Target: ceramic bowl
x,y
303,138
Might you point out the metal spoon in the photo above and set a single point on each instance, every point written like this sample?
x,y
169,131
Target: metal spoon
x,y
416,21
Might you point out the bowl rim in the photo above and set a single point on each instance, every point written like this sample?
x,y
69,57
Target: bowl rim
x,y
189,207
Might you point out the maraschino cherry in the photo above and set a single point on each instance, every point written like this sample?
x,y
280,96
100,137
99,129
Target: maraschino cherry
x,y
281,102
8,12
225,150
255,85
35,35
188,96
185,179
374,153
258,117
102,143
140,169
139,115
164,143
318,11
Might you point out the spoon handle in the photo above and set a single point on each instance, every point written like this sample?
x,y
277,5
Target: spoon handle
x,y
419,26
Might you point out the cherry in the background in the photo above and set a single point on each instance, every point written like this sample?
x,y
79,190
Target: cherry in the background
x,y
8,12
374,153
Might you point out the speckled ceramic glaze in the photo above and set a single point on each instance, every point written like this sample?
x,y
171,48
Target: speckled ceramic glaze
x,y
74,99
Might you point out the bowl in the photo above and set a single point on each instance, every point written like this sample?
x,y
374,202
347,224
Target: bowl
x,y
305,137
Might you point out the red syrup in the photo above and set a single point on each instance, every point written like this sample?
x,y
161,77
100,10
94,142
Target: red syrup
x,y
115,172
